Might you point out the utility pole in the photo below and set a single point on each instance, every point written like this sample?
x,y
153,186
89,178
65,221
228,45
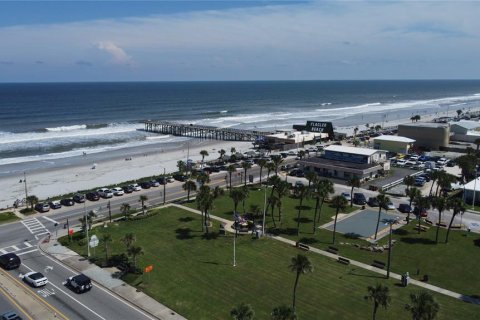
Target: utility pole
x,y
164,185
86,228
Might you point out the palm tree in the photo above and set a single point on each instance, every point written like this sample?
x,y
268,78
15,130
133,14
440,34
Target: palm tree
x,y
468,165
261,163
128,239
282,190
408,181
106,238
272,201
203,153
125,209
182,167
354,182
382,202
283,312
231,169
222,153
237,196
378,127
459,112
301,154
445,181
355,130
277,161
273,181
255,210
270,167
142,199
422,306
233,150
242,312
380,295
434,177
301,192
205,201
189,186
422,204
322,189
311,177
245,193
458,206
134,252
439,203
203,178
339,203
300,265
412,194
246,166
32,201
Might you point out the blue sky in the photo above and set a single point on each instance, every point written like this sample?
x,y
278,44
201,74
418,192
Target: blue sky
x,y
238,40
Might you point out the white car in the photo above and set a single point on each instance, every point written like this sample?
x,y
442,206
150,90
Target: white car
x,y
401,163
35,279
136,187
117,191
389,206
105,193
347,196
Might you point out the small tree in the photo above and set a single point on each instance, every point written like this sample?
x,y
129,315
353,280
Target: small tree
x,y
459,113
300,265
323,188
242,312
408,181
222,153
182,166
134,252
380,296
412,194
231,169
457,206
106,238
189,186
128,239
32,201
142,199
261,163
353,183
422,306
203,153
439,203
203,178
246,166
339,203
283,312
125,209
382,202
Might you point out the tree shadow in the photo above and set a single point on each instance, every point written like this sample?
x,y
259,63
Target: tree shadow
x,y
476,242
303,220
400,232
303,207
417,240
352,235
287,231
360,273
184,233
186,219
308,240
210,236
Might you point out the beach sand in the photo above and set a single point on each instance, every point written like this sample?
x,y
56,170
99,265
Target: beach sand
x,y
50,182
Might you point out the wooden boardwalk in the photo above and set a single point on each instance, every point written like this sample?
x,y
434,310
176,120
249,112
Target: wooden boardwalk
x,y
204,132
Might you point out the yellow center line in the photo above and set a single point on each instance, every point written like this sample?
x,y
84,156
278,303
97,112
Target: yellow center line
x,y
15,303
48,305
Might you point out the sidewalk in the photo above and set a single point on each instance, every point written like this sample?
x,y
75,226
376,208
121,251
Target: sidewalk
x,y
105,279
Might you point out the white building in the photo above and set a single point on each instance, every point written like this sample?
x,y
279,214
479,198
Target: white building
x,y
465,130
391,143
292,137
471,190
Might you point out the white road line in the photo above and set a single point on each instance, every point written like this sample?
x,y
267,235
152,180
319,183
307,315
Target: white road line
x,y
27,244
125,302
3,251
70,296
49,219
25,252
15,248
37,228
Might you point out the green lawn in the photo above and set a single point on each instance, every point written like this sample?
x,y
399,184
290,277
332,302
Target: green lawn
x,y
453,266
193,274
7,216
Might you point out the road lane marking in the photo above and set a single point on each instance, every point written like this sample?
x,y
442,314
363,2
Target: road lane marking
x,y
15,303
46,292
65,293
49,219
3,251
25,252
27,244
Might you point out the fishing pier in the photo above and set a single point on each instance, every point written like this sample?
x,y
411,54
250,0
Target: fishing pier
x,y
204,132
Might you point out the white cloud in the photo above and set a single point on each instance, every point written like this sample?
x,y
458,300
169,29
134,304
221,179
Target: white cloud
x,y
118,54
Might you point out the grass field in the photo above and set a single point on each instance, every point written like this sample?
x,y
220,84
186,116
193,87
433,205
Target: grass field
x,y
7,216
193,274
453,266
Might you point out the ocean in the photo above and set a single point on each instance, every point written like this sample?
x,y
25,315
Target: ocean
x,y
45,121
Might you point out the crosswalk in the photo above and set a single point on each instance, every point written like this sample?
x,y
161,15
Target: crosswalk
x,y
35,227
19,249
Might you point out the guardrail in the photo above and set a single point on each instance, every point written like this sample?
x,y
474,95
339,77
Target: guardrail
x,y
399,181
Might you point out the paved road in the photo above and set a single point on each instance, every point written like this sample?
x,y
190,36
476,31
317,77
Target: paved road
x,y
7,303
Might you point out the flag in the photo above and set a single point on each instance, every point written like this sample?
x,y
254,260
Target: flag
x,y
149,268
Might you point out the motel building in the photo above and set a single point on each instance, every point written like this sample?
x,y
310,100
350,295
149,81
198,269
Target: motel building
x,y
343,162
391,143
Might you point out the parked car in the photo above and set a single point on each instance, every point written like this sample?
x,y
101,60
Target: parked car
x,y
79,198
55,204
10,261
145,185
154,183
170,179
180,177
347,196
389,206
425,176
35,279
79,283
93,196
404,208
117,191
127,189
401,163
162,180
419,181
105,193
416,211
300,174
10,315
359,198
67,202
136,187
42,207
373,202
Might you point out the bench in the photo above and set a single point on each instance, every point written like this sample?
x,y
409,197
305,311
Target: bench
x,y
343,260
221,229
302,246
428,221
378,264
332,250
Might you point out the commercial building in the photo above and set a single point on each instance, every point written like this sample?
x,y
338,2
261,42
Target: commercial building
x,y
294,137
427,135
347,162
465,130
391,143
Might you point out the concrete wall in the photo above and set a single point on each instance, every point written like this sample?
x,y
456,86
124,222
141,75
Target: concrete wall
x,y
430,137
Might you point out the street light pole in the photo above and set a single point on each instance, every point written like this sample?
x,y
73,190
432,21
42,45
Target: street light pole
x,y
264,211
234,245
86,228
474,188
25,183
164,185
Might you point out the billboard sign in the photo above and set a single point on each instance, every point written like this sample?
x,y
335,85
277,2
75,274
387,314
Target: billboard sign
x,y
320,126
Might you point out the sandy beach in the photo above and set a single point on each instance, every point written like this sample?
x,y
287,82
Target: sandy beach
x,y
54,181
